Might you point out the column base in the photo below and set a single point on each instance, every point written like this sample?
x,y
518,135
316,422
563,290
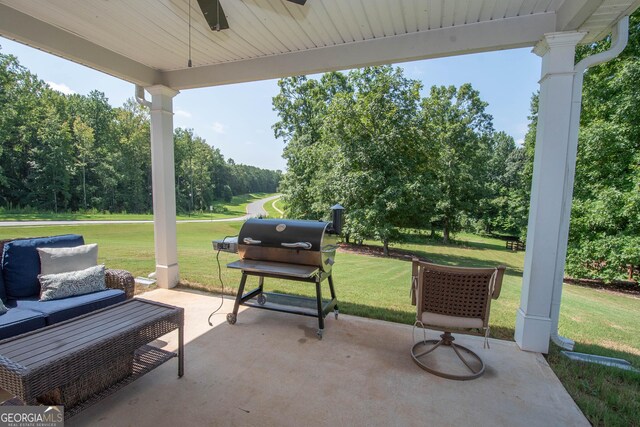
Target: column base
x,y
167,276
532,332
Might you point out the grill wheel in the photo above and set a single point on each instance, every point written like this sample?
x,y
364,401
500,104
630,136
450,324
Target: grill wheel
x,y
231,318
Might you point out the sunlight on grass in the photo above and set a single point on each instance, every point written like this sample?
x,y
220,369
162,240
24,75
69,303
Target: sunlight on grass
x,y
600,322
366,285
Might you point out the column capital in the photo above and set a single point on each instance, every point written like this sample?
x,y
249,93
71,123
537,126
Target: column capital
x,y
161,98
161,90
562,39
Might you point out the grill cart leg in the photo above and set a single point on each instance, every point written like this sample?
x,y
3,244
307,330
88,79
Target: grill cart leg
x,y
320,310
262,298
232,317
333,295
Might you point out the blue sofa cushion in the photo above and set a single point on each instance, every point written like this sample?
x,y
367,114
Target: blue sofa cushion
x,y
17,321
21,262
60,310
3,293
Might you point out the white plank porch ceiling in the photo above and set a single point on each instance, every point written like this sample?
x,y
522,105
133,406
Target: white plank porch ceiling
x,y
269,27
147,41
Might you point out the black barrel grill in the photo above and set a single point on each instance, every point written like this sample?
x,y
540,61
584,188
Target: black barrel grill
x,y
297,250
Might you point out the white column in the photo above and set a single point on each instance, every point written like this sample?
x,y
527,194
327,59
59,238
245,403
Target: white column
x,y
546,244
163,176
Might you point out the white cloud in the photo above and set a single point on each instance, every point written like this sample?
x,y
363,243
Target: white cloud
x,y
519,131
182,113
218,127
522,127
415,71
61,87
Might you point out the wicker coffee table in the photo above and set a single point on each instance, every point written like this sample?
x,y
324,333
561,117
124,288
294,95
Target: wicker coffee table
x,y
90,356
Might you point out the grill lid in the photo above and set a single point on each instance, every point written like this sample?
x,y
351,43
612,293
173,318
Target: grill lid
x,y
283,233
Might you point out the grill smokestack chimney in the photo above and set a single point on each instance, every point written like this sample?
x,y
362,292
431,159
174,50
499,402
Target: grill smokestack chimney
x,y
336,218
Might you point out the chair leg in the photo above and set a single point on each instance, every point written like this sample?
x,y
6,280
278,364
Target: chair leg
x,y
486,338
424,353
455,348
446,340
413,331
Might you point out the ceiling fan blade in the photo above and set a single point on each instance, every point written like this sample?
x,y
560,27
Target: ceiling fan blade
x,y
300,2
213,13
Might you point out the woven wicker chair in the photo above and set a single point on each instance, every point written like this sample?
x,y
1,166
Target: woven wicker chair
x,y
448,299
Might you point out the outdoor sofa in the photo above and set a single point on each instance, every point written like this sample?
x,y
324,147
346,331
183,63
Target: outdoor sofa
x,y
20,287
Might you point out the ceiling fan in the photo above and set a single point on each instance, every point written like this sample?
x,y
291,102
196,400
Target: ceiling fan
x,y
215,16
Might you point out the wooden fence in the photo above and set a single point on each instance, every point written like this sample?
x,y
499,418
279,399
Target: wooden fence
x,y
516,245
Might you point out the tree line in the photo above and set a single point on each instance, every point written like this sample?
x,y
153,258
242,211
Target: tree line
x,y
604,234
396,160
368,140
604,237
74,152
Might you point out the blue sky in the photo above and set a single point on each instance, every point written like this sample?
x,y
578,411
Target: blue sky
x,y
237,119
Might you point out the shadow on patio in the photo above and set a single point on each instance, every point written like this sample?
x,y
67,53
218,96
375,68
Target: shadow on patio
x,y
270,369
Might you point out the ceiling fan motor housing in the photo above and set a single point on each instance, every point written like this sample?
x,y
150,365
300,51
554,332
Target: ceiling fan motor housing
x,y
216,19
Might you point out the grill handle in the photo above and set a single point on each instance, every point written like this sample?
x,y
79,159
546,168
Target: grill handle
x,y
299,245
250,241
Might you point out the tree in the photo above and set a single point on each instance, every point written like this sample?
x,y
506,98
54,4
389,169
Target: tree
x,y
503,210
455,121
368,142
77,152
302,108
604,237
203,175
370,151
605,218
83,139
227,194
22,109
352,139
131,125
48,178
513,217
520,196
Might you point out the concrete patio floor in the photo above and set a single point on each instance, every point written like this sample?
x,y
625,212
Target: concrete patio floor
x,y
270,370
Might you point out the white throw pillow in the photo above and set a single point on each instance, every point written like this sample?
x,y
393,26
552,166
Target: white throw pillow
x,y
62,260
63,285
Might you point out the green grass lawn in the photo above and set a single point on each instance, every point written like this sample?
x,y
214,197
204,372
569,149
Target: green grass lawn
x,y
271,211
280,205
232,209
600,322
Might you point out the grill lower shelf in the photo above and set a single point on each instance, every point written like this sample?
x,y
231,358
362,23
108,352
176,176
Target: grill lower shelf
x,y
294,304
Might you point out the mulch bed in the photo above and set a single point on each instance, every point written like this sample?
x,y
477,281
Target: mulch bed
x,y
378,251
624,287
